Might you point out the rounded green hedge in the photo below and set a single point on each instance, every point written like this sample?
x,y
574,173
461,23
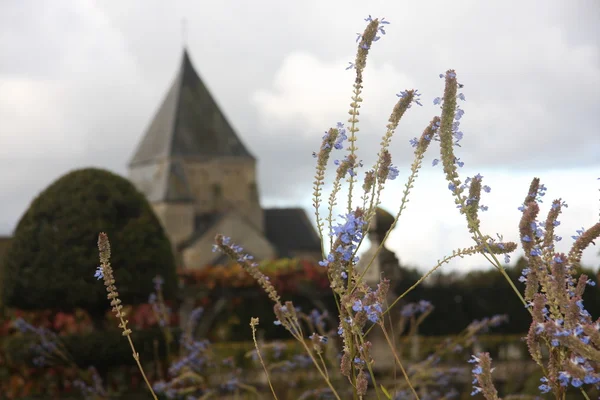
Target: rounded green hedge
x,y
51,261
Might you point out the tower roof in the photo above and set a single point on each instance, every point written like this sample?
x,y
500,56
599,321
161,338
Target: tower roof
x,y
188,124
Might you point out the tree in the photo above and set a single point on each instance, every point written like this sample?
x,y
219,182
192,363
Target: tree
x,y
53,255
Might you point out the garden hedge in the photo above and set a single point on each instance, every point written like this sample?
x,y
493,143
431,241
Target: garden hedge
x,y
51,261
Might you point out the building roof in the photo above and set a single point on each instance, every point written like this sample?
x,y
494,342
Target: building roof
x,y
289,229
189,124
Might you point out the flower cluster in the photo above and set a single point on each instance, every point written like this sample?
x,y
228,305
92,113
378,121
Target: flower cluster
x,y
412,309
368,307
482,372
190,374
560,323
347,235
333,139
95,390
491,245
161,312
365,40
474,186
194,356
552,294
359,307
46,345
448,132
449,136
432,379
236,252
318,319
433,135
49,350
105,272
484,325
415,96
347,165
458,112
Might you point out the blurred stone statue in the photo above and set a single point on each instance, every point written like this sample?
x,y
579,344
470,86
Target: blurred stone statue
x,y
385,264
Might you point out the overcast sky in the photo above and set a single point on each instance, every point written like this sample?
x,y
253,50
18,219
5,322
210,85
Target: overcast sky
x,y
80,80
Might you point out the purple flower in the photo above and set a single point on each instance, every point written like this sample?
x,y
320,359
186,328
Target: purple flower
x,y
544,387
23,326
338,145
349,232
393,172
158,282
563,378
579,233
326,262
196,314
539,328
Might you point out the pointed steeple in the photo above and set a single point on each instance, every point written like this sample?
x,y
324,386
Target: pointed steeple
x,y
188,125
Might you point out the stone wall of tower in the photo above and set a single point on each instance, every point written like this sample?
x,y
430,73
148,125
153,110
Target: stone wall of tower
x,y
224,184
177,220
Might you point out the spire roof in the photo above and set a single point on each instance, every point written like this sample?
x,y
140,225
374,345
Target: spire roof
x,y
188,124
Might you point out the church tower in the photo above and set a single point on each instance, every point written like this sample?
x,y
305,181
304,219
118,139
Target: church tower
x,y
192,166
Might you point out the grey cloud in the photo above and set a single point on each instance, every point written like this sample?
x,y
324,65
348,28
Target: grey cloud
x,y
114,61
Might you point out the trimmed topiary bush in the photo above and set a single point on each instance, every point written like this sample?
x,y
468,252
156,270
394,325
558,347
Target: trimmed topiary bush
x,y
53,256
